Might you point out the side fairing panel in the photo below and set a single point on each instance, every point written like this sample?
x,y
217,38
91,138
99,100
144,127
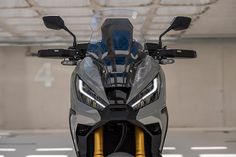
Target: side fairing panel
x,y
146,72
84,114
155,112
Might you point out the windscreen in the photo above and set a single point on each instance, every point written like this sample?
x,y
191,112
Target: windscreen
x,y
113,45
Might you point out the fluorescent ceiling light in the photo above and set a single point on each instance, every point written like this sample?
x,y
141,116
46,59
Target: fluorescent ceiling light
x,y
31,28
180,10
63,3
169,148
38,33
158,32
24,21
77,20
155,37
17,12
53,149
1,156
125,11
120,3
5,133
7,149
217,155
18,3
75,12
154,32
82,27
163,19
172,155
186,2
208,148
47,156
161,26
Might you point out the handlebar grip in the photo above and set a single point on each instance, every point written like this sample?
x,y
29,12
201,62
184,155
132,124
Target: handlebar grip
x,y
177,53
55,53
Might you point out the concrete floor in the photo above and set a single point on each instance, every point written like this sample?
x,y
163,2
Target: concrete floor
x,y
178,144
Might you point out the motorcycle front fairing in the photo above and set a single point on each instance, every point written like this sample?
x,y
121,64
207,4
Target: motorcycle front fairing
x,y
116,84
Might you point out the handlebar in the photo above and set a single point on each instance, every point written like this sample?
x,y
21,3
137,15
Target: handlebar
x,y
58,53
75,54
177,53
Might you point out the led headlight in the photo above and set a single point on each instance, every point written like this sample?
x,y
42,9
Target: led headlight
x,y
148,95
88,96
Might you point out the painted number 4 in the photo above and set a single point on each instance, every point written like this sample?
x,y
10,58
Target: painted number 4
x,y
44,75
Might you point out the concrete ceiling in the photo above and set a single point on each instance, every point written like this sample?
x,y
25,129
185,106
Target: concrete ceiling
x,y
20,20
218,21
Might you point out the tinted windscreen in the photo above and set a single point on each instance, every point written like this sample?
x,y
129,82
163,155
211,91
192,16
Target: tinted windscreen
x,y
116,51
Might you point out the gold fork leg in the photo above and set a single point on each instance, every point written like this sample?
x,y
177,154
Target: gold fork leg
x,y
139,140
98,143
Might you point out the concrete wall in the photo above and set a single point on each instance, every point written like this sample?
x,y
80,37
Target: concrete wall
x,y
26,103
200,92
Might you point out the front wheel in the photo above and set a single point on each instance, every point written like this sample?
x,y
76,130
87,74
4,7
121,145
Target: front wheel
x,y
120,154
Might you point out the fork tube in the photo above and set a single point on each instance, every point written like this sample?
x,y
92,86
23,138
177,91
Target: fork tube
x,y
98,142
139,140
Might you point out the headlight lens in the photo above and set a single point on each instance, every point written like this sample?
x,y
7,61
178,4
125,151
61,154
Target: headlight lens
x,y
88,96
148,95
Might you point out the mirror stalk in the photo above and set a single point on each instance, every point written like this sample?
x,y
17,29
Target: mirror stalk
x,y
162,34
72,34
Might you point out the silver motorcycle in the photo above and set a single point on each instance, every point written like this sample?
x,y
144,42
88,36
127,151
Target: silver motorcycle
x,y
118,93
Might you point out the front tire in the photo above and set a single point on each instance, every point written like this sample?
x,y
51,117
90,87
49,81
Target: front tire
x,y
120,154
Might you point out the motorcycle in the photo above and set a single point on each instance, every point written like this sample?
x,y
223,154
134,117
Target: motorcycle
x,y
118,93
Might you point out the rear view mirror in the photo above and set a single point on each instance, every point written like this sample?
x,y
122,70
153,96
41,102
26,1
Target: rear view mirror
x,y
57,23
54,22
180,23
